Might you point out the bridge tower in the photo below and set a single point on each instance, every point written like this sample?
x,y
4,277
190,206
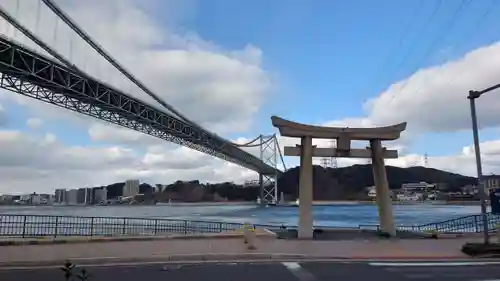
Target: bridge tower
x,y
269,150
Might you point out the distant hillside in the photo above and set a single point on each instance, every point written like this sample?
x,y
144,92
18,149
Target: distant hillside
x,y
349,182
329,184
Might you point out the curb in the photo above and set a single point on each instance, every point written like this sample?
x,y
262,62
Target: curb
x,y
123,239
77,241
179,258
211,258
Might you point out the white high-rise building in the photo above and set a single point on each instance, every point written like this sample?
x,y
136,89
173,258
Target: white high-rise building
x,y
100,196
130,188
71,197
60,196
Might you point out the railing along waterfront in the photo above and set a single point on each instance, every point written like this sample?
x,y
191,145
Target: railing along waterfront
x,y
53,226
26,226
466,224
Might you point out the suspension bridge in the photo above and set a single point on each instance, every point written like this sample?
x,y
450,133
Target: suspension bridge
x,y
36,69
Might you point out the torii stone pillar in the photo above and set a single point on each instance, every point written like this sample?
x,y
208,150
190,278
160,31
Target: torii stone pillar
x,y
343,136
306,188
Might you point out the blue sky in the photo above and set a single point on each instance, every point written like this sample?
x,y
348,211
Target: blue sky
x,y
331,56
326,60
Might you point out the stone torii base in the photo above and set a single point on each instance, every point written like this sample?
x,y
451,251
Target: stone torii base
x,y
344,136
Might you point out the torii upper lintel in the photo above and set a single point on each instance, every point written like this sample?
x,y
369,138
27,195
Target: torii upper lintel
x,y
289,128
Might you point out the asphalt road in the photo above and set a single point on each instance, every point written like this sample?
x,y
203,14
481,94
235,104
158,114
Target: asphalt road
x,y
304,271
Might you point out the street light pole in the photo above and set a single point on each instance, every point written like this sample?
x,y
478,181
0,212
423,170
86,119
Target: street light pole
x,y
473,95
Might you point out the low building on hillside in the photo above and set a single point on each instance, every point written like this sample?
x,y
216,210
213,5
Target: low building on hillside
x,y
6,198
470,189
35,199
491,182
418,187
372,192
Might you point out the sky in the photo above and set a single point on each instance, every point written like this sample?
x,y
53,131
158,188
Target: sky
x,y
231,65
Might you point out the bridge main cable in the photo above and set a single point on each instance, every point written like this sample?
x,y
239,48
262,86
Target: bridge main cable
x,y
8,17
61,58
62,15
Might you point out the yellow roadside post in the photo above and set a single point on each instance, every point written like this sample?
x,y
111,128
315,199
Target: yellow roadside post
x,y
251,238
245,232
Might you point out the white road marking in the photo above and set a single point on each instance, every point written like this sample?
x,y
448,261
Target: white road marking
x,y
472,263
301,273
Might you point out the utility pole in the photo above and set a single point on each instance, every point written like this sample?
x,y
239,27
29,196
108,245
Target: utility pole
x,y
473,95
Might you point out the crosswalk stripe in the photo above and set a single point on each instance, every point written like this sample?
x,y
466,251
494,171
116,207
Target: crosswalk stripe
x,y
301,273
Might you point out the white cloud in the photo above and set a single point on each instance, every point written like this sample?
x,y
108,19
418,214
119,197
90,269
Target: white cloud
x,y
223,89
34,123
41,164
435,99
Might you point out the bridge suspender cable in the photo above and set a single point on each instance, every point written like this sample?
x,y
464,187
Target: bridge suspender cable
x,y
96,47
60,13
37,41
9,18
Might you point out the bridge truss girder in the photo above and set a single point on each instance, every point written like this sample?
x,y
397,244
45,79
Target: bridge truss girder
x,y
36,76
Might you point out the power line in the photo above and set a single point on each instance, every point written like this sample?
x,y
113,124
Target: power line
x,y
424,27
449,25
390,56
469,34
481,19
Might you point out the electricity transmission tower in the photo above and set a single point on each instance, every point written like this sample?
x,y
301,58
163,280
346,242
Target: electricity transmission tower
x,y
330,162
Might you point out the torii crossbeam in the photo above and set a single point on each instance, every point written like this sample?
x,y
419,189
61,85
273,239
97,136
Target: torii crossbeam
x,y
343,136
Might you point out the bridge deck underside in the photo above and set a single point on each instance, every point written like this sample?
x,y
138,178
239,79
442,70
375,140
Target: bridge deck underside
x,y
36,76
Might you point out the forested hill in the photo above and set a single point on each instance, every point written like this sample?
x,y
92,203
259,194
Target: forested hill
x,y
329,184
349,182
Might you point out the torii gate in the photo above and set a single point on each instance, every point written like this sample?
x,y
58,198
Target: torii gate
x,y
344,136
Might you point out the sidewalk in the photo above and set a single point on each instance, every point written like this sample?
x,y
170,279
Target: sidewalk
x,y
230,249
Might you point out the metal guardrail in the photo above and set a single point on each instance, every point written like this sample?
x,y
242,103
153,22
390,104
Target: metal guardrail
x,y
472,223
26,226
467,224
53,226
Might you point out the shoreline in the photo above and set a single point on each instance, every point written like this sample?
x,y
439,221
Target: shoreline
x,y
250,203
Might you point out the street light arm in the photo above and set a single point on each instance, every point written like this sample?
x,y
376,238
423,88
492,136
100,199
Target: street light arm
x,y
474,94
